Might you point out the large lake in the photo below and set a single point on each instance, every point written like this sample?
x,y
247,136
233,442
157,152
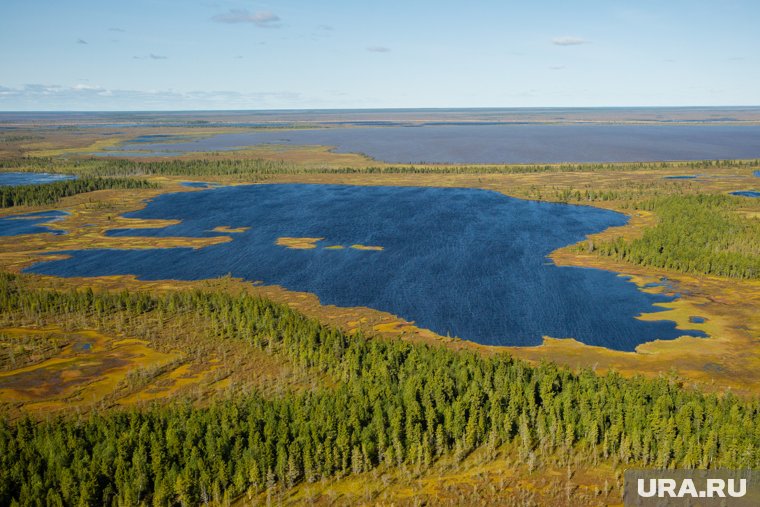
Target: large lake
x,y
463,262
489,143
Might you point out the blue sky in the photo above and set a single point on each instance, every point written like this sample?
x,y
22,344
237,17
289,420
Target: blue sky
x,y
246,54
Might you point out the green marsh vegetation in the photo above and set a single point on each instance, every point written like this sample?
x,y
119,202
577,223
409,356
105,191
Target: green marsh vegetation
x,y
392,404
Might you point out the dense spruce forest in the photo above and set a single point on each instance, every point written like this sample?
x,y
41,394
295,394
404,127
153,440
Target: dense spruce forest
x,y
50,193
394,403
217,167
694,234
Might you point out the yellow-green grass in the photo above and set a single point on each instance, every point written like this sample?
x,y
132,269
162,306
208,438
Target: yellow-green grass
x,y
86,370
366,247
298,243
497,476
162,361
230,230
77,141
307,157
47,150
173,382
311,243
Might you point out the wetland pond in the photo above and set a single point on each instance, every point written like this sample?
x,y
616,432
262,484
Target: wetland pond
x,y
462,262
746,193
31,223
14,179
489,143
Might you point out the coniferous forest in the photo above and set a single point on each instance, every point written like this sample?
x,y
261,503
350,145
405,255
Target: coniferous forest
x,y
694,234
50,193
102,166
394,403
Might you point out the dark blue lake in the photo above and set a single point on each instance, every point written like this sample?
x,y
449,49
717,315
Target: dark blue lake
x,y
30,223
464,262
499,143
14,179
746,193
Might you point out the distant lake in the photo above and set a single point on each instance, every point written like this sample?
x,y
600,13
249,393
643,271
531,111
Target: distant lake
x,y
463,262
497,143
14,179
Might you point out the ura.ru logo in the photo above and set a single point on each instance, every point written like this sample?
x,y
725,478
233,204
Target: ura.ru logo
x,y
714,488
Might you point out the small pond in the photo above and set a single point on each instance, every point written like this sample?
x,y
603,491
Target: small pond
x,y
30,223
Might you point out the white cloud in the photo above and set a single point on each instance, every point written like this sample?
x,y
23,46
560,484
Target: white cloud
x,y
378,49
151,56
264,19
568,41
82,87
37,97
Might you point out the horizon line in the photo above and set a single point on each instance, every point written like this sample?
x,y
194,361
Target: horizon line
x,y
363,109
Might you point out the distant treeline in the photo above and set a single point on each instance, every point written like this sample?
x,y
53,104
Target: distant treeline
x,y
395,403
51,193
694,234
626,191
210,167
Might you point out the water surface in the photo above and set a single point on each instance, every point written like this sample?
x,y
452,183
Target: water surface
x,y
14,179
199,184
30,223
499,143
747,193
464,262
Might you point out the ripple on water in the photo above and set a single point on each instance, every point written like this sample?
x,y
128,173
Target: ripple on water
x,y
14,179
463,262
31,223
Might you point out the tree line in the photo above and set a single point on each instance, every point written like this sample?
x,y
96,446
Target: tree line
x,y
102,166
694,234
394,404
51,193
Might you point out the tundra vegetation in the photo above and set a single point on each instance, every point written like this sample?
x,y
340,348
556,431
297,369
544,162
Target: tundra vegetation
x,y
357,409
394,403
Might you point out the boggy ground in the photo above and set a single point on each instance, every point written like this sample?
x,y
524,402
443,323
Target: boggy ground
x,y
77,362
489,476
729,359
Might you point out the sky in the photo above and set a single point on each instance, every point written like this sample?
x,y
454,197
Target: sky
x,y
308,54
